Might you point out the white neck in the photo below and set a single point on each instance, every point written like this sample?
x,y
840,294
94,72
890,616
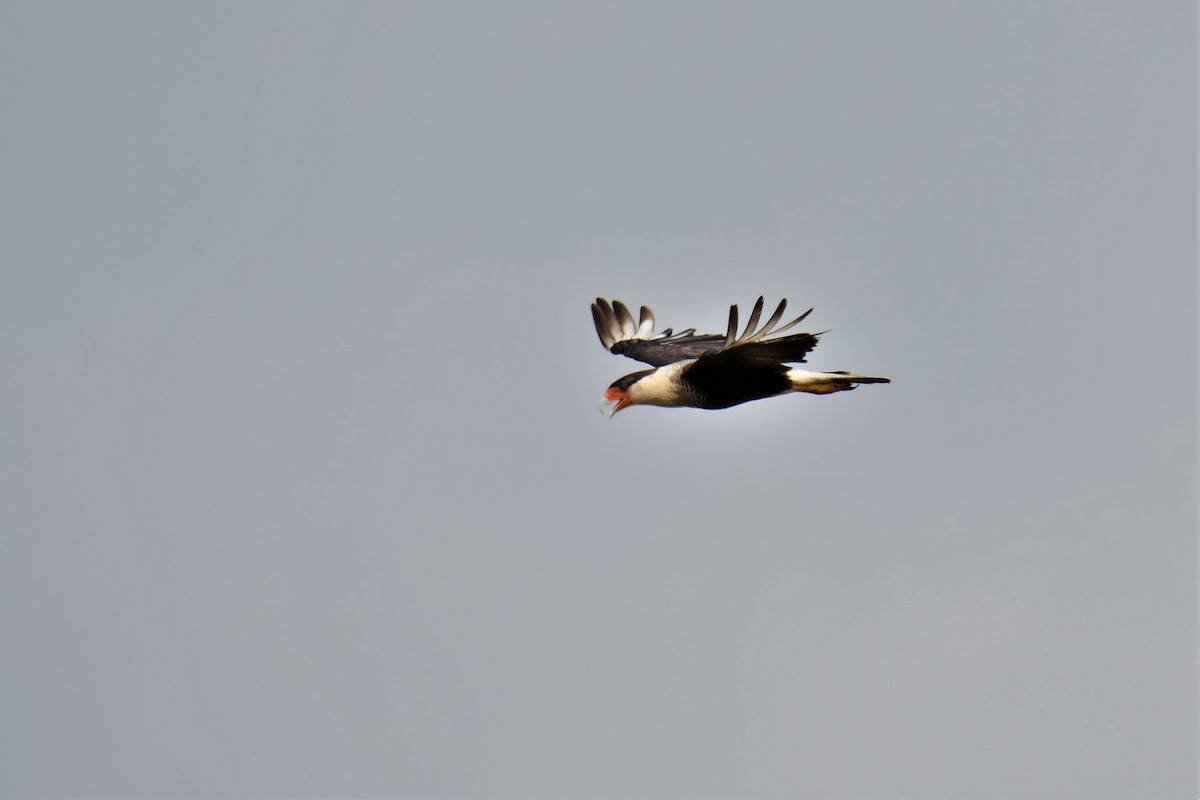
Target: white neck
x,y
661,387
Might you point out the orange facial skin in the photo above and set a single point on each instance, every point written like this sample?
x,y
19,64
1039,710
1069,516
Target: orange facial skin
x,y
615,400
618,396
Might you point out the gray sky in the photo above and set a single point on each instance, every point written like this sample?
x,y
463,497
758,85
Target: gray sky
x,y
305,490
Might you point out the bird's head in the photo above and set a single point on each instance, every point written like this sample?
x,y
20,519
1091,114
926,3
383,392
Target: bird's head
x,y
623,392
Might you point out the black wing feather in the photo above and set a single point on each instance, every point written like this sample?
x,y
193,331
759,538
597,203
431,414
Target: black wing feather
x,y
622,336
786,349
660,352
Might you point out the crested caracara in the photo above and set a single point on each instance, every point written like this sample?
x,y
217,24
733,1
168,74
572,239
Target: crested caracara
x,y
711,370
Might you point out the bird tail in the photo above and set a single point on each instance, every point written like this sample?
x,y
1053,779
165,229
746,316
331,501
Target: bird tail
x,y
828,382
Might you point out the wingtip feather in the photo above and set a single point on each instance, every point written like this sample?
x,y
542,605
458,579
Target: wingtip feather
x,y
753,321
625,320
793,323
603,328
646,323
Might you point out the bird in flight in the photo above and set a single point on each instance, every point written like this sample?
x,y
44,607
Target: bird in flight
x,y
711,370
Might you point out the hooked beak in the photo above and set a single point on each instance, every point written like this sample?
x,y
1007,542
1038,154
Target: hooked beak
x,y
614,400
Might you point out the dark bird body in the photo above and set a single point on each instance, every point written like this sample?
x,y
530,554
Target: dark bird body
x,y
712,370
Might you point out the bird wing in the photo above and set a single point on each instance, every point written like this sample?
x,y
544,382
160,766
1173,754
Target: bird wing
x,y
621,335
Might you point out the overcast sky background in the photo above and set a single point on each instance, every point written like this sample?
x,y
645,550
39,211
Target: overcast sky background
x,y
305,492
